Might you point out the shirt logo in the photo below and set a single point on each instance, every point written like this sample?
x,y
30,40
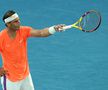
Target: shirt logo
x,y
21,41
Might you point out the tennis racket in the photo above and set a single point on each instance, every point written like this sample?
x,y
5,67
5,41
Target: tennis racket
x,y
88,22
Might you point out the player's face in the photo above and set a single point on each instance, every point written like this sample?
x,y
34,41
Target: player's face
x,y
15,24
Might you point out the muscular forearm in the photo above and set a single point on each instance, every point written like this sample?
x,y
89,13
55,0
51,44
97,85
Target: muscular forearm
x,y
40,33
46,32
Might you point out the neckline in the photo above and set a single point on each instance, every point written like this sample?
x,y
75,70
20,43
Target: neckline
x,y
11,39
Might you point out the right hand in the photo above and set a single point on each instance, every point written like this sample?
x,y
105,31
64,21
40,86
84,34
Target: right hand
x,y
2,72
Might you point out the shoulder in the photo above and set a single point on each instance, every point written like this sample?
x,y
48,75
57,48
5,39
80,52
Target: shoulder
x,y
3,33
25,31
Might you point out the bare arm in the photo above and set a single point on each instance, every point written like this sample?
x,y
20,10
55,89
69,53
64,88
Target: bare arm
x,y
46,32
40,33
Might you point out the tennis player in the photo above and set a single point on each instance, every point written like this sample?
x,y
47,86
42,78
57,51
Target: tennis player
x,y
15,73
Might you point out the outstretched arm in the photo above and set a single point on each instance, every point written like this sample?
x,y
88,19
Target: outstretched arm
x,y
46,32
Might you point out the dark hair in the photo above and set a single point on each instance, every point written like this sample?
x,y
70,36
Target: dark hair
x,y
8,14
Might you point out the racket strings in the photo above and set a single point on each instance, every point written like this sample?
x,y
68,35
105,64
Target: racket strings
x,y
90,21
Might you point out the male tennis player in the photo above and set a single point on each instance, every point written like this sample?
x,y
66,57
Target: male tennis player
x,y
13,49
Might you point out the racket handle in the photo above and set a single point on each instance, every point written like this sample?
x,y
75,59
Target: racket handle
x,y
66,27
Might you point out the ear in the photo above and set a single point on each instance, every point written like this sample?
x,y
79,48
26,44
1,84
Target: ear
x,y
8,24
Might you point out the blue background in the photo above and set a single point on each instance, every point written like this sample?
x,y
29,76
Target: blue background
x,y
71,60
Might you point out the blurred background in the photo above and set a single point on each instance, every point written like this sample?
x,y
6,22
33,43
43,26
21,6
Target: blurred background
x,y
71,60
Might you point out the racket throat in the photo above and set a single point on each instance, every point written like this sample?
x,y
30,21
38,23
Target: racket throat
x,y
78,27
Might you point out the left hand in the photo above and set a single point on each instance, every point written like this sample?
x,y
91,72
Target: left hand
x,y
59,27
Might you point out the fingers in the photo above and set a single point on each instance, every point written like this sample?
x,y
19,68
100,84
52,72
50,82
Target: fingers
x,y
3,72
59,27
2,75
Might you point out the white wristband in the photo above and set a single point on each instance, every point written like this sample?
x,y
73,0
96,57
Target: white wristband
x,y
52,30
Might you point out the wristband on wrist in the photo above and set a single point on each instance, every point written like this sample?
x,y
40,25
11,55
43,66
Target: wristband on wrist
x,y
52,30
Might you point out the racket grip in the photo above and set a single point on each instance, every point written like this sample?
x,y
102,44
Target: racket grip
x,y
66,27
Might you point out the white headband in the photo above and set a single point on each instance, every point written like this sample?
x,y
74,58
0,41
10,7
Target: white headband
x,y
11,18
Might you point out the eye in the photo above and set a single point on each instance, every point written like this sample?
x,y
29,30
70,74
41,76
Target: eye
x,y
16,21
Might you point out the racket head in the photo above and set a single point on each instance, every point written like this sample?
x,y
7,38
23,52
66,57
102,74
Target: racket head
x,y
90,21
